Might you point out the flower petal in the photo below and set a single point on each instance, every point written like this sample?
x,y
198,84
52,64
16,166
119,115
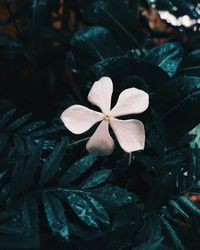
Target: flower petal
x,y
101,141
78,119
130,134
101,93
131,101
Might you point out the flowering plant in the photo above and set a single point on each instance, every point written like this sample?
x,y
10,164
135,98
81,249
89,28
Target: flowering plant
x,y
130,133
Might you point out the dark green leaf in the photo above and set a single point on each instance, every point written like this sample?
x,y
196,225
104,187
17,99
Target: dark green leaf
x,y
116,196
31,127
150,234
83,209
18,123
77,169
31,165
3,141
191,64
96,179
119,18
93,44
150,245
178,209
173,235
20,145
189,204
11,230
16,184
53,162
5,119
101,213
55,215
118,68
177,102
167,56
30,219
21,230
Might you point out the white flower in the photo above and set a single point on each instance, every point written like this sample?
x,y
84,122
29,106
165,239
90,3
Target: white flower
x,y
129,133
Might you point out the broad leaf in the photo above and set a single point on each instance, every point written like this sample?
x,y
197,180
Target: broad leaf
x,y
119,68
191,64
177,104
118,18
167,56
93,44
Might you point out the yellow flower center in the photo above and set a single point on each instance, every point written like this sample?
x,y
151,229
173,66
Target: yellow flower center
x,y
106,117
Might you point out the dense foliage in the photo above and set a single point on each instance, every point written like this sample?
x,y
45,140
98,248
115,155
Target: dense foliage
x,y
55,195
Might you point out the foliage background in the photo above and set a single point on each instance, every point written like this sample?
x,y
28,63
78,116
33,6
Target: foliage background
x,y
54,195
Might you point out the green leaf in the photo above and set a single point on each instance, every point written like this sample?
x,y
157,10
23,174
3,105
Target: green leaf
x,y
172,234
55,215
96,179
26,165
150,234
150,245
20,228
6,118
4,138
93,44
32,164
119,68
191,64
83,209
118,17
190,205
16,184
11,230
18,123
20,145
31,127
77,169
167,56
53,162
178,209
116,196
30,219
177,100
101,213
